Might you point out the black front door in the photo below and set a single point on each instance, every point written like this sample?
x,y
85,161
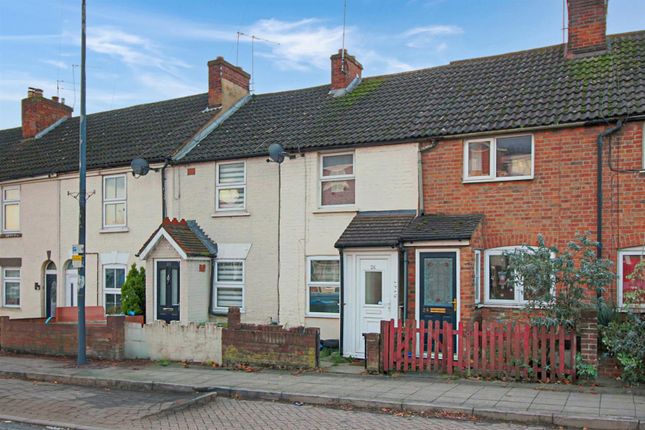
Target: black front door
x,y
168,290
438,287
50,294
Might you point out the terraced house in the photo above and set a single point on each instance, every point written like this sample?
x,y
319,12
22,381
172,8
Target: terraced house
x,y
396,197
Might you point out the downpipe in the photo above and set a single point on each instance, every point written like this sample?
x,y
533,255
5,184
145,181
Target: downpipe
x,y
599,184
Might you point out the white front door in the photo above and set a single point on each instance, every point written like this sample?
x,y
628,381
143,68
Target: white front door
x,y
372,297
71,287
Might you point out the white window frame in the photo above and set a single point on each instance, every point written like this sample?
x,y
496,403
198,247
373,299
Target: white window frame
x,y
228,285
323,179
519,291
309,284
6,279
640,250
112,290
123,200
477,275
493,160
5,203
219,187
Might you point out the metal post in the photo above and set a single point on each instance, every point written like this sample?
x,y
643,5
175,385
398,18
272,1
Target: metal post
x,y
82,199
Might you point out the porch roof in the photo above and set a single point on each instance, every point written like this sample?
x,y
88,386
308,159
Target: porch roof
x,y
390,228
185,236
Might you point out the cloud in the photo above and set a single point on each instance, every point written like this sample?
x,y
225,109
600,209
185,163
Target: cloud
x,y
27,37
425,36
56,63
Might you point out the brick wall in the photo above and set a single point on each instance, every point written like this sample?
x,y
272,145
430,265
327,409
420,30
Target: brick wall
x,y
341,78
33,336
269,345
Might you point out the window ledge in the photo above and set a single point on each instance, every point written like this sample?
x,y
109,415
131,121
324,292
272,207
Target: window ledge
x,y
224,312
114,230
10,235
11,306
506,179
337,209
224,214
502,305
325,316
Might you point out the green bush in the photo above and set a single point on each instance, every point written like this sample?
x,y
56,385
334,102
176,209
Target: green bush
x,y
133,292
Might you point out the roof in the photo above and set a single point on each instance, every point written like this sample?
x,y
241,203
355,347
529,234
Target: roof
x,y
114,138
538,87
187,235
441,227
388,228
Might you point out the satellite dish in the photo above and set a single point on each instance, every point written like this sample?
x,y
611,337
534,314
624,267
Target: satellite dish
x,y
276,152
140,167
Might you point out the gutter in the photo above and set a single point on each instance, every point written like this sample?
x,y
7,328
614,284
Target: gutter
x,y
599,182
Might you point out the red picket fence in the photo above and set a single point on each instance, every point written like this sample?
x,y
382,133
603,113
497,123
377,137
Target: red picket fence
x,y
493,350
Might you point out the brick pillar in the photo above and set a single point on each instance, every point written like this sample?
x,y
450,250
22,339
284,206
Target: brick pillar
x,y
234,318
116,324
587,329
373,352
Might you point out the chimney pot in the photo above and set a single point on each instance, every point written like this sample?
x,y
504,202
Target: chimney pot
x,y
55,99
226,83
344,69
587,27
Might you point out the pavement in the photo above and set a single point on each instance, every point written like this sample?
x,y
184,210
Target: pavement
x,y
533,404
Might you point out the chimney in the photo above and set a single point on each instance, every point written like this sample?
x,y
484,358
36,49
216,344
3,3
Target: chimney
x,y
587,27
38,113
226,83
344,69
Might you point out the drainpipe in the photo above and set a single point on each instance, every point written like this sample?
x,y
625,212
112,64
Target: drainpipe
x,y
429,147
211,283
405,282
599,195
342,301
163,189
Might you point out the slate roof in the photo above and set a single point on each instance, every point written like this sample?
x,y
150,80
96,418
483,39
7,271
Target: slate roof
x,y
115,137
389,228
530,88
188,235
517,90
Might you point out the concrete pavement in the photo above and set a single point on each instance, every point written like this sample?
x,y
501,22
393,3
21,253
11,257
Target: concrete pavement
x,y
530,403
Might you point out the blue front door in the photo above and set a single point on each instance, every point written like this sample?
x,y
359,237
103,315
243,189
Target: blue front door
x,y
438,287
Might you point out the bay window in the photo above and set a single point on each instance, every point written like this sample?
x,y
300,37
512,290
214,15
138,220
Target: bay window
x,y
337,181
323,286
629,281
498,159
230,186
229,284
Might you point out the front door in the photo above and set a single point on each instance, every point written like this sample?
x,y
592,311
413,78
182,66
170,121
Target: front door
x,y
168,290
438,287
71,287
376,297
50,294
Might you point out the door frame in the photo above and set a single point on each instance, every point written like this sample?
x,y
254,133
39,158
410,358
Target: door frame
x,y
50,272
349,286
417,277
154,284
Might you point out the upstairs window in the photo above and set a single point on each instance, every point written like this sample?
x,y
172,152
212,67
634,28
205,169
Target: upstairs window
x,y
231,186
229,284
337,181
10,209
499,159
11,287
114,201
323,286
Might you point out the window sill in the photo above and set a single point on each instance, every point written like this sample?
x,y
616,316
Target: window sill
x,y
501,305
10,235
509,179
337,209
114,230
325,316
223,312
224,214
11,306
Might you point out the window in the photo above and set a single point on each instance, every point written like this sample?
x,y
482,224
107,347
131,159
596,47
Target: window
x,y
114,201
502,158
323,286
11,287
114,277
498,289
229,284
477,275
627,261
337,182
10,209
231,186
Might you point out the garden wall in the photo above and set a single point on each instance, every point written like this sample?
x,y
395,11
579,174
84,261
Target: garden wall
x,y
33,336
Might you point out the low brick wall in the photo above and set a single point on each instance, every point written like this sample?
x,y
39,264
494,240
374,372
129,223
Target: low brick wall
x,y
175,341
33,336
269,345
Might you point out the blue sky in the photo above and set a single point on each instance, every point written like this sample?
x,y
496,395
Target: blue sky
x,y
153,50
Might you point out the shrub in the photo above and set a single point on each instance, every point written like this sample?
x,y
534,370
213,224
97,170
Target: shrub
x,y
133,292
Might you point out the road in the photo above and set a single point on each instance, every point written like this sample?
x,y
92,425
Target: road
x,y
114,409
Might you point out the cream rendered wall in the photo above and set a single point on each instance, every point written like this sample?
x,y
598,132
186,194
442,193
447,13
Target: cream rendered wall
x,y
193,197
162,251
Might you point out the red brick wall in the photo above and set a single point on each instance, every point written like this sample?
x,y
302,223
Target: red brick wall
x,y
561,199
269,345
587,25
220,69
33,336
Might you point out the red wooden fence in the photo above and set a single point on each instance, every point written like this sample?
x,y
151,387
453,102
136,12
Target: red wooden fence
x,y
493,349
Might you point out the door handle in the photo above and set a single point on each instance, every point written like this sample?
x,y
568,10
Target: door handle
x,y
168,309
454,304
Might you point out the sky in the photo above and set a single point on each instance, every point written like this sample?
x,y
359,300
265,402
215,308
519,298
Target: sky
x,y
143,51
